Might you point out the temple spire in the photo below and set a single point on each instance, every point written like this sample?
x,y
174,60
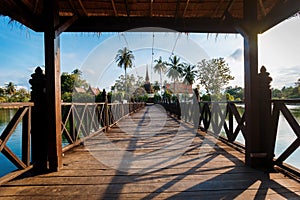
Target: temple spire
x,y
147,76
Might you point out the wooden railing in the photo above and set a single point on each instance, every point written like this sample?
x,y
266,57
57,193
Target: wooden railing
x,y
117,111
280,106
213,116
217,115
23,114
79,122
82,120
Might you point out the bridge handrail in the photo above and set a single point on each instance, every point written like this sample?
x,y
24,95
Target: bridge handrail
x,y
280,106
210,116
23,114
82,120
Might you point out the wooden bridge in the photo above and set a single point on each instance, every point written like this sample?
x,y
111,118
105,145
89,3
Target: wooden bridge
x,y
147,155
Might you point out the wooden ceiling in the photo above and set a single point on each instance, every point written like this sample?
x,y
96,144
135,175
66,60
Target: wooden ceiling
x,y
181,15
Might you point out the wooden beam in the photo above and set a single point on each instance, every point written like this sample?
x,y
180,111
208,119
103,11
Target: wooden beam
x,y
218,8
53,96
19,12
186,6
83,8
71,3
281,11
127,8
36,5
176,15
64,26
27,4
262,7
227,10
114,7
78,12
151,7
120,24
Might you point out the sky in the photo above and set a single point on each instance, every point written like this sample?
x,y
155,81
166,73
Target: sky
x,y
21,50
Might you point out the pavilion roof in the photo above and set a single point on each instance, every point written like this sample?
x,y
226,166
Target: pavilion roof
x,y
182,15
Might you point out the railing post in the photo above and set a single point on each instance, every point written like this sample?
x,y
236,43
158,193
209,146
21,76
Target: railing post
x,y
38,136
26,137
266,130
106,119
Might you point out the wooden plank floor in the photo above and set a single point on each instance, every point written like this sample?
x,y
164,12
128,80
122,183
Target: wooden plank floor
x,y
152,156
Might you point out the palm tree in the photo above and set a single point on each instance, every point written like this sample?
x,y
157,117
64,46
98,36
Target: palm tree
x,y
124,59
160,67
175,70
10,88
188,74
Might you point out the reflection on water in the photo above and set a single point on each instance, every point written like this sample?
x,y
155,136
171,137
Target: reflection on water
x,y
14,142
284,138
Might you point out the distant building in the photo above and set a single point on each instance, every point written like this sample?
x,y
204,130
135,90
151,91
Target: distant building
x,y
180,88
79,90
147,84
91,90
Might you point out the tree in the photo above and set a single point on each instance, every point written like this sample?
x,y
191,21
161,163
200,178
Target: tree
x,y
68,82
160,68
10,88
237,92
124,59
175,69
156,86
214,74
188,73
276,93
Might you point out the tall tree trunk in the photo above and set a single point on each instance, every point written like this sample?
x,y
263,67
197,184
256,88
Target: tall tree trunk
x,y
125,81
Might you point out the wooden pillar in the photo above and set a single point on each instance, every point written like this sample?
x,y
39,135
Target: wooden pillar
x,y
251,98
53,95
253,139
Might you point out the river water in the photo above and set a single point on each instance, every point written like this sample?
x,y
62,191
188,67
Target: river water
x,y
285,137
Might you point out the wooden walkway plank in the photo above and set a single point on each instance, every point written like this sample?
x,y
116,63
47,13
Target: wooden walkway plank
x,y
140,159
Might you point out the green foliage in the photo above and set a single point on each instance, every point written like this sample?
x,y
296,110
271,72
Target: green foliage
x,y
229,97
167,96
188,73
156,98
143,98
287,92
237,92
66,96
175,68
117,97
132,83
174,98
156,86
205,97
10,93
214,74
277,94
21,95
124,59
68,82
160,67
3,99
100,97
